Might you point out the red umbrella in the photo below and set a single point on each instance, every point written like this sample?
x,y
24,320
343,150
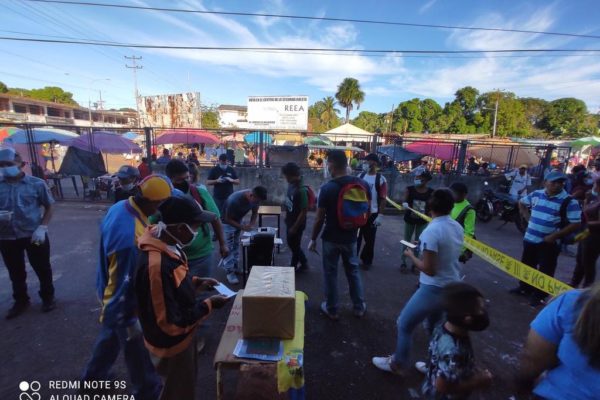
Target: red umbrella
x,y
186,136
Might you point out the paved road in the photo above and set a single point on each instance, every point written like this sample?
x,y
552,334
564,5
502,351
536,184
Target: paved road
x,y
56,345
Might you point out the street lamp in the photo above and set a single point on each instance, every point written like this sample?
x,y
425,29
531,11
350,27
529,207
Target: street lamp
x,y
89,97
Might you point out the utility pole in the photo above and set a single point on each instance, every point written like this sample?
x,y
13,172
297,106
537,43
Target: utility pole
x,y
135,67
101,107
495,115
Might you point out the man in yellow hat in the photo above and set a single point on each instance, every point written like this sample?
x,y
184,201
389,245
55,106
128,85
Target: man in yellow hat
x,y
124,223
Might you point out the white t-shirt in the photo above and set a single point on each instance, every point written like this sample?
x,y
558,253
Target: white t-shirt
x,y
445,237
519,182
370,179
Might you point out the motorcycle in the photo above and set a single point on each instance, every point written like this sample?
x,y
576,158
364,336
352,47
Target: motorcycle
x,y
499,204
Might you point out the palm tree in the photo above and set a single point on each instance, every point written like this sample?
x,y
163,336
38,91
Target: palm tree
x,y
329,112
348,94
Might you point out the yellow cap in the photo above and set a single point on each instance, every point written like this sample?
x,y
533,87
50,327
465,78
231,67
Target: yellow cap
x,y
155,188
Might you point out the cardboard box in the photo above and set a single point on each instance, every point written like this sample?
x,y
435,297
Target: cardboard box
x,y
268,303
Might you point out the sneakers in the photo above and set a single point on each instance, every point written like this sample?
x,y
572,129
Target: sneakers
x,y
361,313
17,309
49,305
232,278
386,364
324,310
421,367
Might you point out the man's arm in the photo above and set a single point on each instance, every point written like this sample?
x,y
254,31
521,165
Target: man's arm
x,y
212,179
428,265
234,178
48,212
563,232
318,225
539,355
470,223
254,216
301,220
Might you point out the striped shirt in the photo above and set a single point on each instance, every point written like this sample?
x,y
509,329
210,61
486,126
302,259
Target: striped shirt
x,y
545,214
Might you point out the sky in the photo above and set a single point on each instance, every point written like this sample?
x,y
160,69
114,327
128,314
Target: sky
x,y
230,77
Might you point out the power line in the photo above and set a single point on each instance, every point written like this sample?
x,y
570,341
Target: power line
x,y
305,17
296,49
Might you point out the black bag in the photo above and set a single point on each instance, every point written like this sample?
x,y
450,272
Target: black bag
x,y
260,251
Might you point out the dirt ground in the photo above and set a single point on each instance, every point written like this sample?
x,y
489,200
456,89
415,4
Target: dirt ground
x,y
56,345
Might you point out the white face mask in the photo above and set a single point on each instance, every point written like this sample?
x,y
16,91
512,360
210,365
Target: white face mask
x,y
162,227
365,167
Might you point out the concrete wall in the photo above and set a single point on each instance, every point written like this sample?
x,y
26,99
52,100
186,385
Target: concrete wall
x,y
276,185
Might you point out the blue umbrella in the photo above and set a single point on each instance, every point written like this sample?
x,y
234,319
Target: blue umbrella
x,y
42,135
398,154
254,137
131,135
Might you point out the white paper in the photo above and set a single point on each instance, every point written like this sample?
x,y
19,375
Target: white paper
x,y
408,244
225,291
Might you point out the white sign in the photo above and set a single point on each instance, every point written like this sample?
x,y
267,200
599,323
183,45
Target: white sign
x,y
278,112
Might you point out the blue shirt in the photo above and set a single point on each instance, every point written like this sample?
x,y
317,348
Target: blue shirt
x,y
545,214
328,199
443,236
573,378
25,199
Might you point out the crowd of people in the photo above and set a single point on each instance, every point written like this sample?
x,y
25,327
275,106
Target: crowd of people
x,y
156,266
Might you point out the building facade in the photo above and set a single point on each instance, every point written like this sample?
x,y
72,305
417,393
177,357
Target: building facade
x,y
231,116
20,110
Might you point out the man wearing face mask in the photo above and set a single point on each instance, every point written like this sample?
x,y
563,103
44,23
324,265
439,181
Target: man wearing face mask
x,y
128,176
222,177
378,186
24,229
416,197
235,209
199,253
451,372
169,310
120,230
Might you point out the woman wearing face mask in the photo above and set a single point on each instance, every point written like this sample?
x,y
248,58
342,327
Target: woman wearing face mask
x,y
168,307
588,249
128,177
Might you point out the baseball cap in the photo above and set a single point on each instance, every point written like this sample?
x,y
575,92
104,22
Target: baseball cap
x,y
127,171
183,209
156,187
523,166
8,154
555,176
223,157
372,157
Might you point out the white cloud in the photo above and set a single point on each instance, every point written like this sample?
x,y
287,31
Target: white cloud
x,y
425,7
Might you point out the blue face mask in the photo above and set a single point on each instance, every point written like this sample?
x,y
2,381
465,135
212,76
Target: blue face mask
x,y
418,182
223,166
10,172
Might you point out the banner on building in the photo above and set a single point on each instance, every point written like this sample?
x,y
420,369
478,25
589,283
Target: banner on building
x,y
278,112
180,110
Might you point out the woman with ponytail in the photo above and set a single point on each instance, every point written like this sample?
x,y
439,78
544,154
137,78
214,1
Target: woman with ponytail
x,y
561,358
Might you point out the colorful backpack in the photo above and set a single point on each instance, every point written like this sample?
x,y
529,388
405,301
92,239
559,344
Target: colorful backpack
x,y
354,205
312,198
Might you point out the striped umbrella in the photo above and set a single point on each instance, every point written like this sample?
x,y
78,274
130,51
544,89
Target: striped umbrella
x,y
7,131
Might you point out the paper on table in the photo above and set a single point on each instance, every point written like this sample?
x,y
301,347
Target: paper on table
x,y
225,291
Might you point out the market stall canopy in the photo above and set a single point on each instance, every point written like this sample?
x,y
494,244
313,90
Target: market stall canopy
x,y
186,136
350,148
105,142
318,141
398,154
586,141
233,138
441,150
42,135
348,133
7,131
288,139
499,154
254,137
132,136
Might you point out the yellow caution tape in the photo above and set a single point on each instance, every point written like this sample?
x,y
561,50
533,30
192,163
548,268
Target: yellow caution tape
x,y
511,266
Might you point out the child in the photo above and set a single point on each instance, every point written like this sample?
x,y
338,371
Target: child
x,y
451,372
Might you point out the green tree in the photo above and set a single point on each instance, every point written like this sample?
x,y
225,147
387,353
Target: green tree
x,y
511,118
408,115
349,94
53,94
329,114
467,99
370,121
210,117
535,111
566,114
3,87
430,114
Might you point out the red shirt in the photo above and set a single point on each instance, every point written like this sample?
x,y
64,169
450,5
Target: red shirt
x,y
144,170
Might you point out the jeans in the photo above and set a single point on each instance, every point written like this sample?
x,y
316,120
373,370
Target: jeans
x,y
201,267
294,242
409,231
425,304
145,382
232,239
13,253
588,251
331,255
367,232
543,257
